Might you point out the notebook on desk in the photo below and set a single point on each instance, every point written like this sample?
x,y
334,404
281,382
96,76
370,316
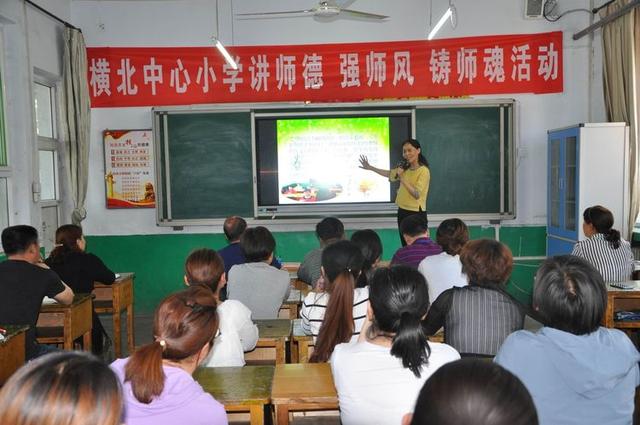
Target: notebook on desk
x,y
47,300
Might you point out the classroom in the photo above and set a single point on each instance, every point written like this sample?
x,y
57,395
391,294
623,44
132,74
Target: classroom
x,y
35,184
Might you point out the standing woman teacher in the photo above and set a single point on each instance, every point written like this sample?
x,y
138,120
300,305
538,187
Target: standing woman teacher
x,y
414,176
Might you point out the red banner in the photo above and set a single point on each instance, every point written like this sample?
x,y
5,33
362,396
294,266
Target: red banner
x,y
456,67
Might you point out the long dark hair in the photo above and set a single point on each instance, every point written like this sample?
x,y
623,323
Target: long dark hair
x,y
399,298
421,159
67,237
474,391
183,323
70,388
342,262
602,220
371,247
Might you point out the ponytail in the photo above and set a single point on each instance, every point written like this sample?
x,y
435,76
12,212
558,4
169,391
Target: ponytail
x,y
184,323
337,326
410,343
613,237
144,371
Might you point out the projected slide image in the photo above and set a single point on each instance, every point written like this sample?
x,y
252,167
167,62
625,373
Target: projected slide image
x,y
318,160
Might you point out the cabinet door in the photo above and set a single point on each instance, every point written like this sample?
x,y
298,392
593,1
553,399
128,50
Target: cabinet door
x,y
571,213
554,195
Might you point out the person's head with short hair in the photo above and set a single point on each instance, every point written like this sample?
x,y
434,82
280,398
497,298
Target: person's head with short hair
x,y
598,219
184,327
257,244
414,227
205,267
64,388
371,247
329,229
451,235
473,391
398,301
486,262
570,294
21,241
233,228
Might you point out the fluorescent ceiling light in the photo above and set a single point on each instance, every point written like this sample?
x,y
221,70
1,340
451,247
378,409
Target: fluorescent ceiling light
x,y
440,23
225,53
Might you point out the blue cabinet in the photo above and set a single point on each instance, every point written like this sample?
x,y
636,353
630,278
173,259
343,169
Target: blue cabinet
x,y
586,165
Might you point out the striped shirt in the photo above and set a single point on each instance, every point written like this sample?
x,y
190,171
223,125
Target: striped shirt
x,y
476,319
615,265
315,305
412,255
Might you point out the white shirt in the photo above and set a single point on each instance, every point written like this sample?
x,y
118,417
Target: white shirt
x,y
315,305
373,386
442,272
615,265
237,335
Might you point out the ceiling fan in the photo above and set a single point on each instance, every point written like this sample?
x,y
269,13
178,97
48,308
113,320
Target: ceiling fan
x,y
324,9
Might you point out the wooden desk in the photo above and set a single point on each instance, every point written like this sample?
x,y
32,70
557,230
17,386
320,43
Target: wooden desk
x,y
622,299
12,350
240,389
290,309
273,336
74,319
114,299
307,386
301,344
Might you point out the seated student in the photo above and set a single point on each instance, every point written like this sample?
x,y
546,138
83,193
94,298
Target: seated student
x,y
473,391
444,271
604,248
576,371
256,284
70,388
419,246
337,314
379,377
26,280
328,231
237,332
477,318
371,247
157,383
80,270
232,254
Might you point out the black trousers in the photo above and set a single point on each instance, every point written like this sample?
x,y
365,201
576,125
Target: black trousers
x,y
402,214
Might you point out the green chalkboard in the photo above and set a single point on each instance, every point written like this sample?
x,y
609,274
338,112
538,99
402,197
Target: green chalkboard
x,y
464,150
206,165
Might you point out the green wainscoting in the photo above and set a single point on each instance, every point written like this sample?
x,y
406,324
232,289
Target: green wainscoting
x,y
158,260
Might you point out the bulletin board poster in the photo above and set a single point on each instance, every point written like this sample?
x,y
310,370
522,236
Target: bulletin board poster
x,y
129,175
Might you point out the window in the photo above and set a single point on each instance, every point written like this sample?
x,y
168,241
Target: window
x,y
44,108
5,171
43,105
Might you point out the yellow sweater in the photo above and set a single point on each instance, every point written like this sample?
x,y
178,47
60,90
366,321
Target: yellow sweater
x,y
418,178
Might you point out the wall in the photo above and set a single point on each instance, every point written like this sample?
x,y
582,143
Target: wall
x,y
157,253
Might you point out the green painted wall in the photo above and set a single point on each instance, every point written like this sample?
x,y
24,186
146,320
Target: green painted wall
x,y
158,260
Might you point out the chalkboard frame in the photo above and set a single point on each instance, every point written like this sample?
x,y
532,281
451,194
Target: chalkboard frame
x,y
507,165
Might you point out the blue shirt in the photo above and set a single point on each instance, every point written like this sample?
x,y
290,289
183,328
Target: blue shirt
x,y
575,379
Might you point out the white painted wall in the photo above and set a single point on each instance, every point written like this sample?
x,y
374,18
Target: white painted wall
x,y
192,22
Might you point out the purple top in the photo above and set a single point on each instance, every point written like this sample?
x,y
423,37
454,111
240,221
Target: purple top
x,y
183,401
411,255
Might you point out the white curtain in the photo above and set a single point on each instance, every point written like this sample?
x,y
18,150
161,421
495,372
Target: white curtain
x,y
76,119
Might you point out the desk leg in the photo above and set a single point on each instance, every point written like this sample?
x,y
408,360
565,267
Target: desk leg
x,y
281,355
67,339
131,345
608,316
86,341
117,346
257,414
282,414
303,352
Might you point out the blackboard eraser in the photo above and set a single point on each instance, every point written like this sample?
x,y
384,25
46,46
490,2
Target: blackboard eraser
x,y
177,228
494,222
